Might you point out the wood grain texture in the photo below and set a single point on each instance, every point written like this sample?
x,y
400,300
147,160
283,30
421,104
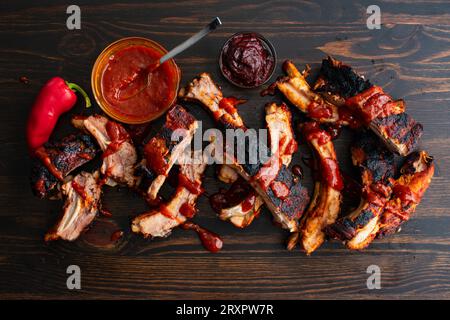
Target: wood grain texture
x,y
409,57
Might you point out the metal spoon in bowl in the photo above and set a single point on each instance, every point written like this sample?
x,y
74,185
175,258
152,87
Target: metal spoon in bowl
x,y
147,71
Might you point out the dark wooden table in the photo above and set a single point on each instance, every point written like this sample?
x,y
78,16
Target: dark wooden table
x,y
409,57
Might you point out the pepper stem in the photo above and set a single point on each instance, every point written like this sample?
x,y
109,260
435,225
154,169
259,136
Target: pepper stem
x,y
77,88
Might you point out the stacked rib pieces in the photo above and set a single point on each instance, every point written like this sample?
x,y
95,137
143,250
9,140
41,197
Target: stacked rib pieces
x,y
344,98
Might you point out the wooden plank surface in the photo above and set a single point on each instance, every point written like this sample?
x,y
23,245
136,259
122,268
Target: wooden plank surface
x,y
409,57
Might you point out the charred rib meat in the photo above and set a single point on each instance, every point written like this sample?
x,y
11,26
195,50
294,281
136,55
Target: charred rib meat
x,y
161,152
377,168
297,90
374,108
82,197
119,154
407,192
58,159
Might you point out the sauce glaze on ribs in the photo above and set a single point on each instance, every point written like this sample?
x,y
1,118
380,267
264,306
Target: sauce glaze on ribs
x,y
55,160
284,196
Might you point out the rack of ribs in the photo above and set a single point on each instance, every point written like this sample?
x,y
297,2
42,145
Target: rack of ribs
x,y
386,202
119,155
82,198
284,196
56,160
325,204
161,152
376,110
346,98
182,206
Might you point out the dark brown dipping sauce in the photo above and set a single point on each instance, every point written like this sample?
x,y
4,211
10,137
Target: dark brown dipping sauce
x,y
246,60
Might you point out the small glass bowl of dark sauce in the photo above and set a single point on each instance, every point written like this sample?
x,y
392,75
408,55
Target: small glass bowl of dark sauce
x,y
247,60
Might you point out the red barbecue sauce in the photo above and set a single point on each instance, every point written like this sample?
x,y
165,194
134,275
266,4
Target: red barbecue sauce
x,y
187,210
118,135
331,174
191,186
329,167
370,103
42,155
246,60
229,104
211,241
249,202
312,131
319,111
373,197
123,83
280,190
80,190
405,194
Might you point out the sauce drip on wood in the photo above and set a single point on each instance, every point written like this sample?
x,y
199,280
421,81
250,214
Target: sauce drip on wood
x,y
211,241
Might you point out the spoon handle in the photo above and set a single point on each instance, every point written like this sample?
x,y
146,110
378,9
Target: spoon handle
x,y
189,42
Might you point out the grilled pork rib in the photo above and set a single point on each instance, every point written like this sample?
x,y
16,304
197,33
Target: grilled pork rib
x,y
408,190
119,154
282,142
377,168
274,183
55,160
82,197
377,110
161,152
160,222
326,201
297,90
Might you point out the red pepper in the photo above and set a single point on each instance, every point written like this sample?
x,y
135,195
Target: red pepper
x,y
56,97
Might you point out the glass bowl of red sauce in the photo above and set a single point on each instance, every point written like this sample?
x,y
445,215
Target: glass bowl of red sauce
x,y
120,85
247,59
